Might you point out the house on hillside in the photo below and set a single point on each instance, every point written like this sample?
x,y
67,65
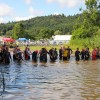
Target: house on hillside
x,y
60,39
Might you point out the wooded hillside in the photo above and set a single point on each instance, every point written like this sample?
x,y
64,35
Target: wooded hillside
x,y
40,27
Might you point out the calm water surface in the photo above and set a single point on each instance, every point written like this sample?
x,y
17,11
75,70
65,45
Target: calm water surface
x,y
51,81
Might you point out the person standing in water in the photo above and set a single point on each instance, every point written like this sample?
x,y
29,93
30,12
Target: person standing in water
x,y
65,54
1,55
27,53
7,56
43,55
98,53
60,53
52,54
87,54
69,52
15,53
83,54
34,56
77,55
94,54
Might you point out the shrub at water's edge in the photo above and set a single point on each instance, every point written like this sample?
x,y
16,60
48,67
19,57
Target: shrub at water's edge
x,y
87,42
86,32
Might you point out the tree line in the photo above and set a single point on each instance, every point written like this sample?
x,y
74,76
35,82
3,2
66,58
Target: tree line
x,y
87,32
42,27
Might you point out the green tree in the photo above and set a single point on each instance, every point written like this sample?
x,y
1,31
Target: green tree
x,y
91,20
9,33
57,32
46,33
18,31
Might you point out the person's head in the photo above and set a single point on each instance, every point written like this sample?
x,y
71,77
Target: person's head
x,y
97,48
82,49
27,45
36,51
43,49
3,47
94,49
26,48
7,49
52,48
17,47
68,47
77,49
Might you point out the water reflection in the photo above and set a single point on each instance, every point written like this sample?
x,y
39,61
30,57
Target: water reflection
x,y
51,81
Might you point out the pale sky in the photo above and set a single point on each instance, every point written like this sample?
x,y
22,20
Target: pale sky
x,y
16,10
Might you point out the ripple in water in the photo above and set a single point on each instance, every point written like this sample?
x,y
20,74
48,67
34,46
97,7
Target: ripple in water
x,y
51,81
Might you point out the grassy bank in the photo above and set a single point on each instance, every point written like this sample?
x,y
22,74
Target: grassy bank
x,y
39,47
73,47
87,42
74,43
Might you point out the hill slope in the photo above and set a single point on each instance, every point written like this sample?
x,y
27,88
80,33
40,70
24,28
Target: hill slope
x,y
42,27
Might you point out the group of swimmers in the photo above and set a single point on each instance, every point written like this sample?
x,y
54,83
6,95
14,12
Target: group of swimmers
x,y
86,55
63,54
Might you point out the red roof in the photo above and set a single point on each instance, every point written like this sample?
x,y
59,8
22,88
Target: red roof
x,y
8,40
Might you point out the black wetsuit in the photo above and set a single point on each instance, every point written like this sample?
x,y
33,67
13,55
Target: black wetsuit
x,y
77,55
56,54
98,54
69,53
60,54
87,55
43,56
34,56
53,55
1,57
7,57
82,55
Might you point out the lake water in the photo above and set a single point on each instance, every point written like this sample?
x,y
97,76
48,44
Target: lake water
x,y
51,81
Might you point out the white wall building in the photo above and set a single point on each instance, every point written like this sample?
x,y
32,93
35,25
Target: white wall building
x,y
60,39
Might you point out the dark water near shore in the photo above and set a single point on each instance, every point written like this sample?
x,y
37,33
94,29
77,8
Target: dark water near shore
x,y
51,81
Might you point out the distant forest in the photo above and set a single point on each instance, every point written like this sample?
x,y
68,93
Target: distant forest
x,y
40,27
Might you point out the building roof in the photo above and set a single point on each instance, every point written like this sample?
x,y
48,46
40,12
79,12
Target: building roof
x,y
62,37
22,39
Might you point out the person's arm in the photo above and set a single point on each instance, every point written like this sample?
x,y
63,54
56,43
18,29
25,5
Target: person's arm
x,y
10,56
71,51
57,53
75,53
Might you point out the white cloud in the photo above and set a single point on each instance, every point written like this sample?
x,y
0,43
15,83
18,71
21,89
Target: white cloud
x,y
28,2
56,13
35,12
67,3
5,10
22,18
2,20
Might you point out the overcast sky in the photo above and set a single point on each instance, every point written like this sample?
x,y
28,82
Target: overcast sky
x,y
15,10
